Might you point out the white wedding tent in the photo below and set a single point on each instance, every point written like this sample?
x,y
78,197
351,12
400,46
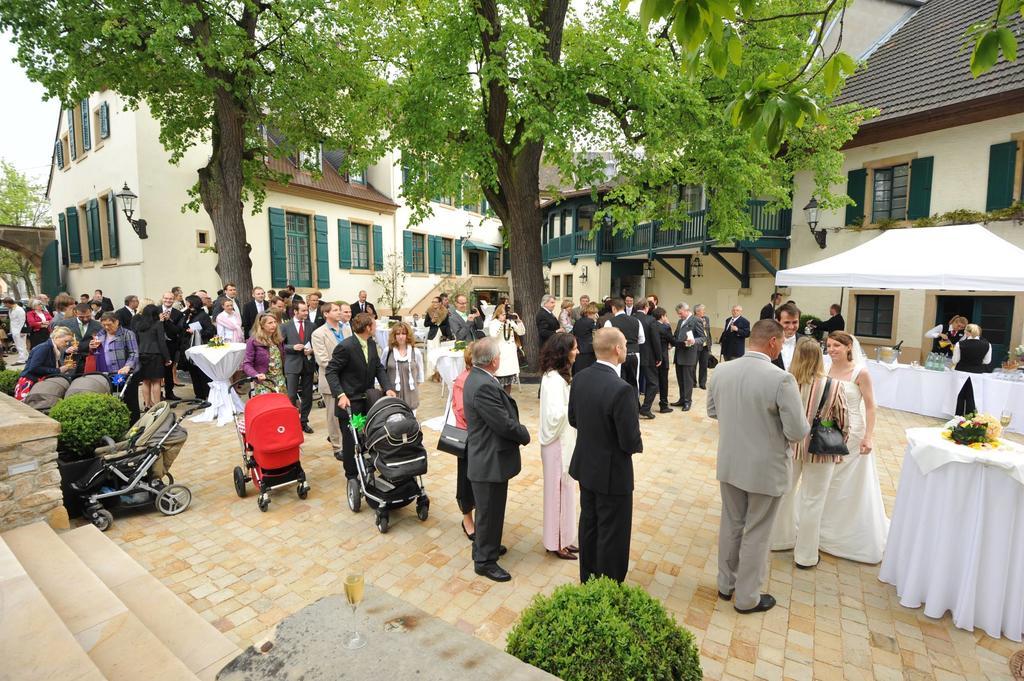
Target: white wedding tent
x,y
954,258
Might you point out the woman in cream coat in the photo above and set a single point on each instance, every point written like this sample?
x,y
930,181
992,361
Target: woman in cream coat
x,y
506,330
557,441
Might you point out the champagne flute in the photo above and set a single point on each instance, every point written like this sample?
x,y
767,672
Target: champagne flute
x,y
354,587
1005,418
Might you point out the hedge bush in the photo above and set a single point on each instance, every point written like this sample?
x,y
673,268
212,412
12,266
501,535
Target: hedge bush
x,y
604,630
8,380
86,418
3,362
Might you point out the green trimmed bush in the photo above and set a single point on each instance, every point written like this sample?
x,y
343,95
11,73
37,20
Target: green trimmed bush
x,y
86,418
604,630
3,362
8,379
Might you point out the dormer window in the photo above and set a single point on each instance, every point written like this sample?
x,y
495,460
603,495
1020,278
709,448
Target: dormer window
x,y
357,177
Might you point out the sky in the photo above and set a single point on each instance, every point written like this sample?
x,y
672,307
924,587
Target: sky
x,y
28,122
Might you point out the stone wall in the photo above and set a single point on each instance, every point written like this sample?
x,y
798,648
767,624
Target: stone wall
x,y
29,479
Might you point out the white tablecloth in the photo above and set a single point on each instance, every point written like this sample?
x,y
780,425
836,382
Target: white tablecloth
x,y
933,393
450,363
219,364
956,541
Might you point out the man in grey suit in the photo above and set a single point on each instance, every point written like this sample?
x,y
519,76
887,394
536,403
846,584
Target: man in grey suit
x,y
492,454
463,324
298,361
689,339
759,411
85,328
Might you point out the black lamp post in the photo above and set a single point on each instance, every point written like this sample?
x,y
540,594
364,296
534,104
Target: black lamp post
x,y
811,214
127,198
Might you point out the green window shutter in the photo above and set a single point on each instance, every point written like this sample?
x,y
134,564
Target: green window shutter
x,y
458,257
112,242
505,259
1002,160
71,134
378,248
344,244
58,153
104,120
86,127
278,249
323,266
63,239
92,222
920,202
74,236
856,180
431,254
407,249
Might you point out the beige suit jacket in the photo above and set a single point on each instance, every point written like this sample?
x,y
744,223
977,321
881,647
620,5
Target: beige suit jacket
x,y
323,342
759,413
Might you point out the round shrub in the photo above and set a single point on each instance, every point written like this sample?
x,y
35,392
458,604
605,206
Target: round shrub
x,y
8,379
604,630
86,418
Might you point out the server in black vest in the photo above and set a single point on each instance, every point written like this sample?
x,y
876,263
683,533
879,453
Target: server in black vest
x,y
583,330
633,330
650,358
972,355
663,336
604,413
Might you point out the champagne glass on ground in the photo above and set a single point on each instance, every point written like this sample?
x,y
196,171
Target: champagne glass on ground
x,y
354,586
1005,418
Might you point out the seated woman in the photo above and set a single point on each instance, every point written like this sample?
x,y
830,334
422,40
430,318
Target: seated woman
x,y
264,356
45,360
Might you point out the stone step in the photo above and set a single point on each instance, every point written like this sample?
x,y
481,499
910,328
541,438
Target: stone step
x,y
120,646
34,643
192,639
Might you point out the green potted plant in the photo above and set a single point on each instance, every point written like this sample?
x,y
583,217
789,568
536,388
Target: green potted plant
x,y
604,630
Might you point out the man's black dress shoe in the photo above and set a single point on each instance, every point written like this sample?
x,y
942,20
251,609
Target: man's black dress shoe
x,y
646,415
767,603
677,404
665,410
724,596
686,407
306,428
494,571
502,550
338,455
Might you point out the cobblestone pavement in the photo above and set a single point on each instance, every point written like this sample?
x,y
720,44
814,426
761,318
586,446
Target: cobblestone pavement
x,y
244,570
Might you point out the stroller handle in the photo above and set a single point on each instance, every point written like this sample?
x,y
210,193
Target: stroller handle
x,y
253,380
196,405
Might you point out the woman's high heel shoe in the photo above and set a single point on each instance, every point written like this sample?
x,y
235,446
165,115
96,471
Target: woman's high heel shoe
x,y
471,537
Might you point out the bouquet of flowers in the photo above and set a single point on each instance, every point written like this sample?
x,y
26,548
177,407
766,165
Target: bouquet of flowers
x,y
1018,353
216,342
977,431
460,345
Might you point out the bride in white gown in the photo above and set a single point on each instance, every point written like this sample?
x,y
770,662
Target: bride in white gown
x,y
854,525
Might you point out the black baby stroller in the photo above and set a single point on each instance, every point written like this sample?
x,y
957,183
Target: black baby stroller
x,y
391,461
131,473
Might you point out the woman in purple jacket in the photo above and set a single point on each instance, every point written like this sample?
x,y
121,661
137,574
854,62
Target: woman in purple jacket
x,y
264,356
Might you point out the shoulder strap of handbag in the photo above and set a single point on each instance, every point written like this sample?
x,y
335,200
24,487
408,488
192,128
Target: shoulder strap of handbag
x,y
824,397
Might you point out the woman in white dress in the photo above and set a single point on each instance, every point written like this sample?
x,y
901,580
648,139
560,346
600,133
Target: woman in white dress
x,y
506,330
854,525
557,441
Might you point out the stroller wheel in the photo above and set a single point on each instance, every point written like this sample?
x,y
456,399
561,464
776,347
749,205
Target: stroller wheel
x,y
423,508
263,502
173,499
239,476
303,490
382,522
354,497
102,519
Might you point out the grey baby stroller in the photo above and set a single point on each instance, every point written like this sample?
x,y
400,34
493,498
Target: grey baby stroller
x,y
135,472
391,461
45,394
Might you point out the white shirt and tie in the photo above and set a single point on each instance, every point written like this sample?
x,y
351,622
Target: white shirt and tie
x,y
788,348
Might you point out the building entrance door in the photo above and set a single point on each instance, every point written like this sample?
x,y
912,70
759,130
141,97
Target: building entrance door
x,y
994,314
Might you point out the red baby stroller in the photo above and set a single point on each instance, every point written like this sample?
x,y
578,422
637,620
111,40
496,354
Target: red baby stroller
x,y
271,435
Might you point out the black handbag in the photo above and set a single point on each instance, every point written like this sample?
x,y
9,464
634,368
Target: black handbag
x,y
826,439
453,440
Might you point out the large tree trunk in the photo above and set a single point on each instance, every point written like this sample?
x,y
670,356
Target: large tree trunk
x,y
220,187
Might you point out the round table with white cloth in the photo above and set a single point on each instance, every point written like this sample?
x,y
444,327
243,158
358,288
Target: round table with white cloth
x,y
219,364
956,541
450,363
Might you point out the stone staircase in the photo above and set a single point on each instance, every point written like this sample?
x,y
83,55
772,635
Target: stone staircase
x,y
75,607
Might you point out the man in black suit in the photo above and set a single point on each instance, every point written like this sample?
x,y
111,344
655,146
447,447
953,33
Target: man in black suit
x,y
704,355
633,331
628,300
650,358
768,311
688,339
174,327
84,327
126,313
789,316
105,303
299,363
602,462
361,306
835,322
230,293
547,322
253,309
663,337
353,369
734,335
494,436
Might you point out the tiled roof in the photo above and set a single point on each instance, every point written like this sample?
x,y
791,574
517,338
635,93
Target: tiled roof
x,y
331,182
925,65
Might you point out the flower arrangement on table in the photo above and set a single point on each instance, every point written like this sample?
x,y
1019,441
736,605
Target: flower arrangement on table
x,y
977,431
460,345
216,342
